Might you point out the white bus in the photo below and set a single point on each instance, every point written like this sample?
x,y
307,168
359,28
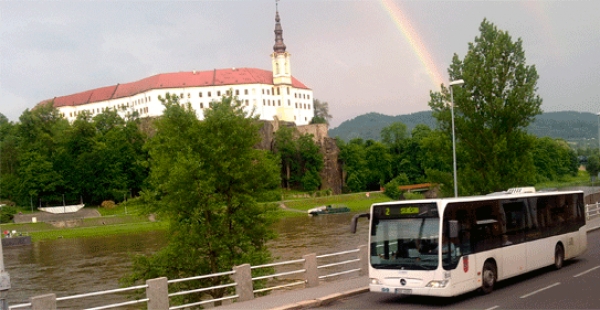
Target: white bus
x,y
484,239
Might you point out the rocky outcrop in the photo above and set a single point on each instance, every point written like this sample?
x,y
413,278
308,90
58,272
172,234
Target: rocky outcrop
x,y
331,175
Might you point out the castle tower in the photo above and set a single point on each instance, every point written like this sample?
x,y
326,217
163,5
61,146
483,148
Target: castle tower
x,y
282,74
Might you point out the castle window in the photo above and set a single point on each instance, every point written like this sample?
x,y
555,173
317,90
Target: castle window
x,y
218,93
307,96
237,92
200,94
279,102
181,95
245,91
278,91
309,106
209,94
189,95
201,105
264,101
289,103
288,90
272,90
247,102
263,91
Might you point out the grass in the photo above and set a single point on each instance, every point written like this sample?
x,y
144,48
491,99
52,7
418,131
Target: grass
x,y
356,202
581,179
123,218
95,231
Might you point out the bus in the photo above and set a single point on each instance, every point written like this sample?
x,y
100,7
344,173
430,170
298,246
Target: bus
x,y
484,239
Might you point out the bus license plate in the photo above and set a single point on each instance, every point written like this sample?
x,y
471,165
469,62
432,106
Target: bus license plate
x,y
403,291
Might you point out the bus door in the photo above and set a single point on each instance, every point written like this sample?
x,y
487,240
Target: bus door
x,y
457,257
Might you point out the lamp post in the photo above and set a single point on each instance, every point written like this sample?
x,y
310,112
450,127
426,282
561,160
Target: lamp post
x,y
452,83
598,141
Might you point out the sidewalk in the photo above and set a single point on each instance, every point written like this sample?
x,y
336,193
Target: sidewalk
x,y
306,298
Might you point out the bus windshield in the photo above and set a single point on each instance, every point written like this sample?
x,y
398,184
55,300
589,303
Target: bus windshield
x,y
405,243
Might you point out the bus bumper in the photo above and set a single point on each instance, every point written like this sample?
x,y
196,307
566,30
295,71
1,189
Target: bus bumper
x,y
423,291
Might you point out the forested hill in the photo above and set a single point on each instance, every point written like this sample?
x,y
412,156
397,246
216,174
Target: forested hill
x,y
568,125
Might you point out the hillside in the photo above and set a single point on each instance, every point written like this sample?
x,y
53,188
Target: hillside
x,y
577,127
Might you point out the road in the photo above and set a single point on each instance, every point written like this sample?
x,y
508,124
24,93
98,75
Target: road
x,y
575,286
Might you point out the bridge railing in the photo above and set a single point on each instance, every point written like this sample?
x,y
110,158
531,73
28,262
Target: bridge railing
x,y
306,272
592,210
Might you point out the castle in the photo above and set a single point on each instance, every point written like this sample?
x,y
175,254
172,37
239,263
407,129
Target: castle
x,y
273,95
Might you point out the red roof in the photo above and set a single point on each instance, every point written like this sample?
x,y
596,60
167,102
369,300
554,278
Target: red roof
x,y
217,77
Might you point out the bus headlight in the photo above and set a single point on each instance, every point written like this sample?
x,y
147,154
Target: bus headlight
x,y
374,281
437,283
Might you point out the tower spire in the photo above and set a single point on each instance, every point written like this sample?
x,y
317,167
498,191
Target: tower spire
x,y
279,47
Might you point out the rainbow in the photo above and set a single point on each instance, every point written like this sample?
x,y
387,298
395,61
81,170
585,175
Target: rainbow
x,y
414,40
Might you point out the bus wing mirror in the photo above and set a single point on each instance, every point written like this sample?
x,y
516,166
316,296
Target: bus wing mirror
x,y
453,228
355,221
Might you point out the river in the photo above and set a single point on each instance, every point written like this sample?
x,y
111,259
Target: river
x,y
75,266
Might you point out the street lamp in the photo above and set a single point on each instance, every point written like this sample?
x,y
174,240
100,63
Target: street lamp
x,y
598,130
452,83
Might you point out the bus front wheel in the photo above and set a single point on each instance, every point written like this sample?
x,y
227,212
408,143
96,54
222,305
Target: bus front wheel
x,y
559,256
488,277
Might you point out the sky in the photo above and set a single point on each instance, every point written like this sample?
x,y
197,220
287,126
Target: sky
x,y
363,56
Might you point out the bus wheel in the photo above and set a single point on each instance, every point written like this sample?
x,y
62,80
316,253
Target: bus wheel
x,y
559,256
488,277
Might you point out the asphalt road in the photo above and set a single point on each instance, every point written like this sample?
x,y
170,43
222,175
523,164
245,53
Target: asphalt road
x,y
575,286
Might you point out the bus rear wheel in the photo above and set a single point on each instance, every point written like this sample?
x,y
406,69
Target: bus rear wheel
x,y
559,256
488,277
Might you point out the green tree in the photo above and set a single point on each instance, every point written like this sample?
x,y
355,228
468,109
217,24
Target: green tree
x,y
311,162
8,158
492,111
285,147
553,159
322,115
379,164
593,166
205,177
352,156
393,135
40,136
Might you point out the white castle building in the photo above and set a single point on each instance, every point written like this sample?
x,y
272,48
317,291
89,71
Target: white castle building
x,y
272,94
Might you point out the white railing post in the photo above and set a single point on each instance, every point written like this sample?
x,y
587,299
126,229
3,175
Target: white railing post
x,y
243,282
312,274
158,294
43,302
363,255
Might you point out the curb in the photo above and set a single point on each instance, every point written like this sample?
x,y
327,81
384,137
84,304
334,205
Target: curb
x,y
323,301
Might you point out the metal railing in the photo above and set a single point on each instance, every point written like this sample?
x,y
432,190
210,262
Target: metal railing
x,y
239,282
592,210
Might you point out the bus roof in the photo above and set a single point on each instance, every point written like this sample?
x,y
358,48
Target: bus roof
x,y
442,202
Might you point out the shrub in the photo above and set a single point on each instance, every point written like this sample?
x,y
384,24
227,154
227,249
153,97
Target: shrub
x,y
108,204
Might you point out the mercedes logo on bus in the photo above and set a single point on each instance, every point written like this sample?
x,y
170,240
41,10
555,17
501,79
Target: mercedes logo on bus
x,y
403,282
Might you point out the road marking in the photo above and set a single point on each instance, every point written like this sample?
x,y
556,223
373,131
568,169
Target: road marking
x,y
589,270
542,289
492,308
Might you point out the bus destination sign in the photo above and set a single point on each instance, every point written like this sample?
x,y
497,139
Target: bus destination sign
x,y
406,210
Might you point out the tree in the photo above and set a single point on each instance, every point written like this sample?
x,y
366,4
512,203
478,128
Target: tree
x,y
40,135
311,161
352,155
285,147
593,166
393,135
204,179
492,110
322,115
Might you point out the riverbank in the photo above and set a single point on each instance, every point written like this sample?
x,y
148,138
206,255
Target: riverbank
x,y
124,218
